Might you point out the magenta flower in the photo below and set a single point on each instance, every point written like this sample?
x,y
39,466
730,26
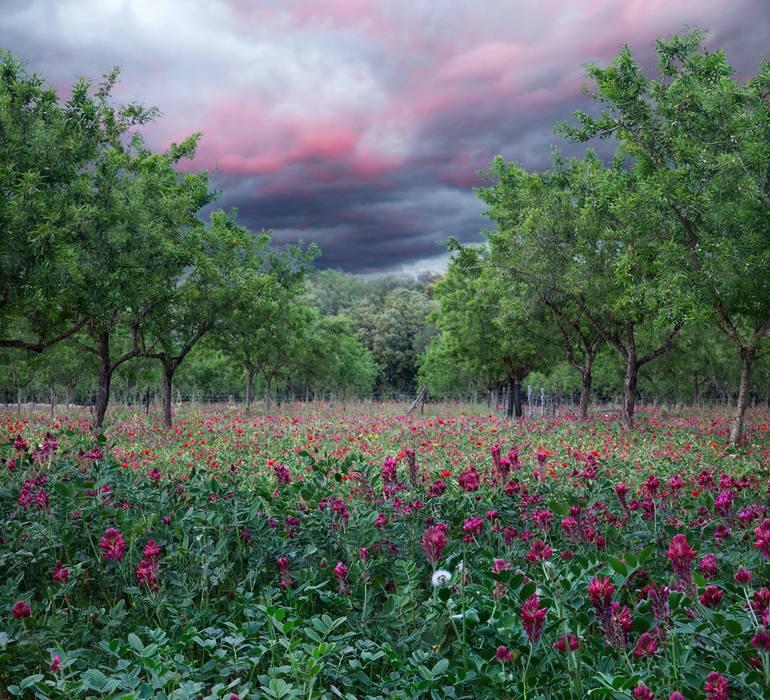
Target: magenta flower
x,y
471,527
20,610
500,565
282,475
60,573
712,596
761,605
539,551
743,576
55,664
112,544
762,533
469,479
542,518
20,443
642,692
708,566
566,640
503,654
681,555
341,574
283,567
532,617
600,594
433,543
761,641
389,474
646,645
151,550
716,687
622,491
147,574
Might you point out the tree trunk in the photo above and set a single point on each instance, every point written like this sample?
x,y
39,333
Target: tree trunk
x,y
747,361
509,409
585,393
629,390
585,389
268,393
249,383
518,410
105,378
168,379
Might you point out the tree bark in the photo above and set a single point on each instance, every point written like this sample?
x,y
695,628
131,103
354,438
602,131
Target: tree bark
x,y
168,379
585,392
268,393
249,383
105,378
747,362
629,389
518,410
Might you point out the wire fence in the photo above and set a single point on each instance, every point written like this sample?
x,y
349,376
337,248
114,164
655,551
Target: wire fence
x,y
535,402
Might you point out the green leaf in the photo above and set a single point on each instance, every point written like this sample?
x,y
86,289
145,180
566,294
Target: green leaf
x,y
618,566
135,643
31,680
439,668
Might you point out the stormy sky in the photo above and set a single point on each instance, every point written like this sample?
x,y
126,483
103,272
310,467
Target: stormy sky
x,y
361,124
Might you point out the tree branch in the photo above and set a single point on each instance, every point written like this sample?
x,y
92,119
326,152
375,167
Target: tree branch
x,y
42,344
663,348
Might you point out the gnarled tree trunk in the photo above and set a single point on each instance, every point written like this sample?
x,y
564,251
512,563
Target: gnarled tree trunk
x,y
747,362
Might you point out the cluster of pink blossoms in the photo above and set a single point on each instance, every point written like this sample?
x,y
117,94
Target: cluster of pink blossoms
x,y
112,544
147,570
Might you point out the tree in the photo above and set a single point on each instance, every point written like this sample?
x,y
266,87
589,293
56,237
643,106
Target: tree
x,y
484,325
444,373
396,332
200,295
139,232
47,154
265,321
699,142
536,243
331,359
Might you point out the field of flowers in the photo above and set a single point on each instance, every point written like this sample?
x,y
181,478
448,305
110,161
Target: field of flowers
x,y
325,555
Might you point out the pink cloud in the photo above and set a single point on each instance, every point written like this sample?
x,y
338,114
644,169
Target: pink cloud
x,y
490,60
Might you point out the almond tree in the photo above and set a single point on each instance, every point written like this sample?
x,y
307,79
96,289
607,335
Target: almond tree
x,y
484,325
47,152
225,255
535,243
138,232
699,143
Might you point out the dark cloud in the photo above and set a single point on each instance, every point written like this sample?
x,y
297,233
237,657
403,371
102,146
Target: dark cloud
x,y
359,124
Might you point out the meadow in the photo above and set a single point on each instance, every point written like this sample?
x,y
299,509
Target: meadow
x,y
317,553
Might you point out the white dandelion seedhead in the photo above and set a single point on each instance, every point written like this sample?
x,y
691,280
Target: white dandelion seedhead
x,y
440,578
